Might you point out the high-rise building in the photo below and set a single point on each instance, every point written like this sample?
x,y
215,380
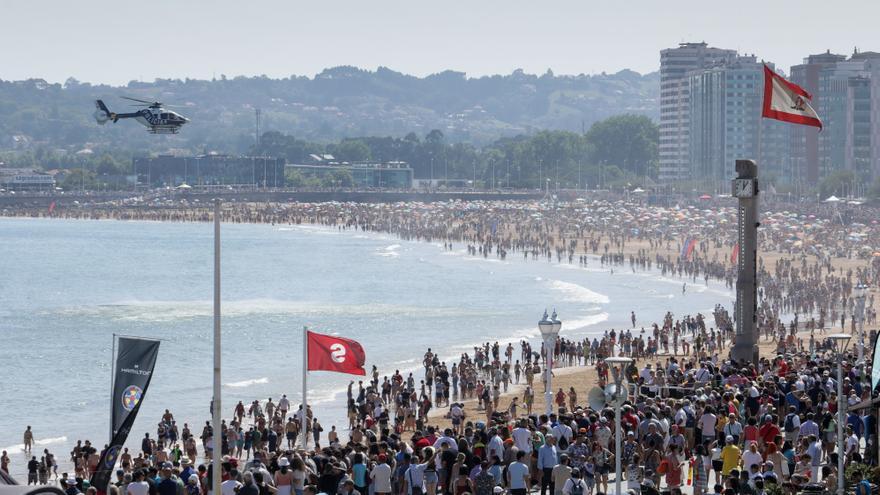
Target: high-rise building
x,y
726,125
804,145
849,105
675,66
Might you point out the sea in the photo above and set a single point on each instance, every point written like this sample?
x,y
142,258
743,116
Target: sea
x,y
67,286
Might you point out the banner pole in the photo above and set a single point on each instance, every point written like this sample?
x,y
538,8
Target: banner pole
x,y
217,439
305,405
112,385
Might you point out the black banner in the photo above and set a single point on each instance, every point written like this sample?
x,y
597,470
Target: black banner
x,y
135,360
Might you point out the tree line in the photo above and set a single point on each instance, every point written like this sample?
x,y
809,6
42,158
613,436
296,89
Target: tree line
x,y
620,149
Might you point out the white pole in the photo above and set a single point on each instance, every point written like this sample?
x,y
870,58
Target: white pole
x,y
217,434
303,421
617,472
841,419
548,364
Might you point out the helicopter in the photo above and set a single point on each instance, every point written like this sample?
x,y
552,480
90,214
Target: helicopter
x,y
154,115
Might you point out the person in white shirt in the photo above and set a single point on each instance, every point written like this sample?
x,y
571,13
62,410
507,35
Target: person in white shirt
x,y
230,486
446,438
522,437
284,405
852,443
381,477
138,486
562,430
575,485
791,425
707,424
496,445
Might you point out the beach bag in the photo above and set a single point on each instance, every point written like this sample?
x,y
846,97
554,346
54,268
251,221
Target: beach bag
x,y
663,467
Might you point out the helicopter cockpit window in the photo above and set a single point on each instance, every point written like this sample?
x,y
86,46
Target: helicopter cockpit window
x,y
163,116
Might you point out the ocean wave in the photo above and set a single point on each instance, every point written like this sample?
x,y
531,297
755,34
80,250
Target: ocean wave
x,y
171,311
247,383
391,251
567,266
37,443
578,293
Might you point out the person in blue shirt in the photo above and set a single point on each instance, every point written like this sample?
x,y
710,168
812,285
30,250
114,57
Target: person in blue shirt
x,y
518,475
548,458
359,473
853,419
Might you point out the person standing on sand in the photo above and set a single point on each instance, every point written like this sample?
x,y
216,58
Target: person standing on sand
x,y
28,439
4,462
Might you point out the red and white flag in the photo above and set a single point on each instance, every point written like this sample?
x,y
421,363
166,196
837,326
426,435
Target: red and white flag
x,y
786,101
329,353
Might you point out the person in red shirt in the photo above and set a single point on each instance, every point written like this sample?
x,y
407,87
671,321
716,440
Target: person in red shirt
x,y
768,432
783,368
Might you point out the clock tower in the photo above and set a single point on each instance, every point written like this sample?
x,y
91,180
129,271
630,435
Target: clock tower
x,y
745,188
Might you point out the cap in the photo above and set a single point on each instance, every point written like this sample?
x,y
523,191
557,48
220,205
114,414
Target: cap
x,y
166,465
283,462
71,481
729,439
498,489
382,458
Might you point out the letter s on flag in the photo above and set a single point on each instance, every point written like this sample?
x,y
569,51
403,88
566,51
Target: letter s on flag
x,y
329,353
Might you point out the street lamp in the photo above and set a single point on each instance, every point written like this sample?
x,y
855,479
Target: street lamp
x,y
841,340
549,330
859,292
619,394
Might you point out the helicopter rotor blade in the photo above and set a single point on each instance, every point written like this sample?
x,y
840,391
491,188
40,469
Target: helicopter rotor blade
x,y
139,100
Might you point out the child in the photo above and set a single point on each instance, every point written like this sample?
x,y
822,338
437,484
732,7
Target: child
x,y
590,474
634,474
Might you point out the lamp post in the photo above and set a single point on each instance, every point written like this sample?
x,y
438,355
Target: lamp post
x,y
619,393
859,292
840,342
549,330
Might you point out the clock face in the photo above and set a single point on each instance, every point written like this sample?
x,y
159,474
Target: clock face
x,y
743,188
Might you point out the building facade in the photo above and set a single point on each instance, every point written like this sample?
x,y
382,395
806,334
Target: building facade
x,y
804,140
25,179
849,105
726,125
676,64
392,175
209,170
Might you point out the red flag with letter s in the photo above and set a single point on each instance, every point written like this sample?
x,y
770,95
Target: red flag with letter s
x,y
786,101
329,353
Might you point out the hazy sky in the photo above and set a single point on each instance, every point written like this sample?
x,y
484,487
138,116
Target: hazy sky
x,y
115,41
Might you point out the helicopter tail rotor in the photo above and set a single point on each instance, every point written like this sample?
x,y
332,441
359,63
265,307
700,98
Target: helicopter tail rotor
x,y
103,114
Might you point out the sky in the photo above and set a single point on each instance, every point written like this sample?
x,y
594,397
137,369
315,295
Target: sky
x,y
113,41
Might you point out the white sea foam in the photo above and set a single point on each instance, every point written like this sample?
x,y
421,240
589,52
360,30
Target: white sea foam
x,y
247,383
567,266
170,311
578,293
37,443
391,251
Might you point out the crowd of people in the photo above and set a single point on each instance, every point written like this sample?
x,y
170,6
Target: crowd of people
x,y
694,417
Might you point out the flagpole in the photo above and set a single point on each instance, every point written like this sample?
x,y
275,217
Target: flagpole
x,y
305,405
112,385
217,433
112,393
